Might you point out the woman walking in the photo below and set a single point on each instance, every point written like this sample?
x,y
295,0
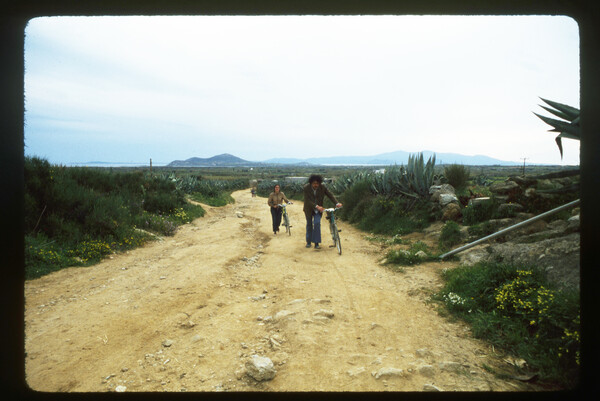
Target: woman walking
x,y
275,199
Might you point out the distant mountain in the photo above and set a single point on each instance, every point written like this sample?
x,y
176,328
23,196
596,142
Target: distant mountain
x,y
224,160
383,159
398,157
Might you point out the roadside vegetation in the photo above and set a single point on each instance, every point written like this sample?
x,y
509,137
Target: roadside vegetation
x,y
75,216
515,309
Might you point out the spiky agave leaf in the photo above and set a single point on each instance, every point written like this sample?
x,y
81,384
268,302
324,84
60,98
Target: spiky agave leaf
x,y
570,111
567,129
557,113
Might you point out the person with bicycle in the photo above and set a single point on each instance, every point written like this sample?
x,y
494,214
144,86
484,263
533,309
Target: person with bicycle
x,y
275,198
314,195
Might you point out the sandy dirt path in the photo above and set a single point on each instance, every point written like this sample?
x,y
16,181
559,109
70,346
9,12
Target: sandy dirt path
x,y
186,312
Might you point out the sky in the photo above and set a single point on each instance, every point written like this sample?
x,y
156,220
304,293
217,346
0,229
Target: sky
x,y
130,89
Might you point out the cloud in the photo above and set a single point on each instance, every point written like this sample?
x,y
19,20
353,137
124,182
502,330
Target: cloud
x,y
313,86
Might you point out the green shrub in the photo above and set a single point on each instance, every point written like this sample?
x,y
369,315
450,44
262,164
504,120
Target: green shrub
x,y
38,192
457,175
221,199
401,257
516,309
450,235
161,202
479,212
419,246
481,230
409,257
76,216
104,217
357,194
159,224
391,215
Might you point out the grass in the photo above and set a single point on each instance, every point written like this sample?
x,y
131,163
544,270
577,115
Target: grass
x,y
515,309
449,236
221,199
410,256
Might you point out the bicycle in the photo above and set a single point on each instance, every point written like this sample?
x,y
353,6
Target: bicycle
x,y
285,217
335,231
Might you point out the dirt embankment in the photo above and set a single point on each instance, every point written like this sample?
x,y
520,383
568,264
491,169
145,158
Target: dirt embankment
x,y
186,312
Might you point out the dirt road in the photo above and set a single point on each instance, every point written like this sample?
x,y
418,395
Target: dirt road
x,y
186,312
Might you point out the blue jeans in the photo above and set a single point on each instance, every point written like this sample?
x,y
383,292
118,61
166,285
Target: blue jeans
x,y
313,228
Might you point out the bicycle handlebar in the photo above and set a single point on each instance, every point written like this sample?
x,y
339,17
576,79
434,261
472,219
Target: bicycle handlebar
x,y
331,209
284,204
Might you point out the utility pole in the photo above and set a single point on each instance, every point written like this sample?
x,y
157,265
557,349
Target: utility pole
x,y
524,158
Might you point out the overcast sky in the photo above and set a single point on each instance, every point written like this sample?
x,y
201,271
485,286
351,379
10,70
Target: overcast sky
x,y
127,89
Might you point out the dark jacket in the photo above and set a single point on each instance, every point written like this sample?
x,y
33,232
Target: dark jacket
x,y
311,201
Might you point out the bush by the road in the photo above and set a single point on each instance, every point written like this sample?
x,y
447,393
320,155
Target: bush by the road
x,y
516,309
76,216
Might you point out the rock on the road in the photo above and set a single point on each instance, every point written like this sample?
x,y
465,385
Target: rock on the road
x,y
388,372
325,313
431,387
260,368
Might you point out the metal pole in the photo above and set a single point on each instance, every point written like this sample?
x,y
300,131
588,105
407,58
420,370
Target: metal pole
x,y
505,230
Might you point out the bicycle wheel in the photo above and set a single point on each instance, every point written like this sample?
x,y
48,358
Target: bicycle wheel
x,y
338,242
286,222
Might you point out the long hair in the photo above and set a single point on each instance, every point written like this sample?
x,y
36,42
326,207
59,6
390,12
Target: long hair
x,y
315,177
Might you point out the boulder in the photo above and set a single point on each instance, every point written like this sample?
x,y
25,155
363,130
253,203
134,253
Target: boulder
x,y
525,182
436,191
421,254
446,199
557,257
260,368
451,212
507,209
443,189
535,227
504,188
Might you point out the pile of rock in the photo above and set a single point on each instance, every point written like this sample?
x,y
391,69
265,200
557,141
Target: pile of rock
x,y
444,197
553,246
523,191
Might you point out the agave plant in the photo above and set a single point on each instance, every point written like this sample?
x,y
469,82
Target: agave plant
x,y
568,127
412,181
339,185
420,175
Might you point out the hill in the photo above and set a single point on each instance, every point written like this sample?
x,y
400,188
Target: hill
x,y
223,160
398,157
